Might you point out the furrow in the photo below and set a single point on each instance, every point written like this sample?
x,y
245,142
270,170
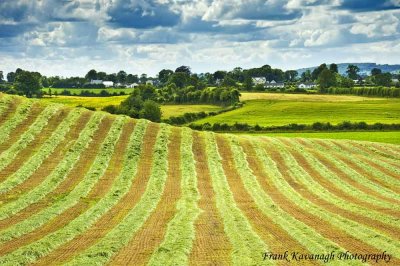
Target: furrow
x,y
46,243
76,162
363,239
137,207
146,240
211,245
247,247
178,240
253,202
27,137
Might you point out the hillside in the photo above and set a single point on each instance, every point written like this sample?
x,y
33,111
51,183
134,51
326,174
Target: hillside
x,y
83,188
365,68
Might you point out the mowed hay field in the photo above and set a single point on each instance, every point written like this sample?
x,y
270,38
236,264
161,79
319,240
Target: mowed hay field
x,y
88,188
276,109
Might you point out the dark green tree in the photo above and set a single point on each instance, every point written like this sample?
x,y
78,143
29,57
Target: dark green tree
x,y
326,79
384,79
11,77
151,111
121,76
183,69
164,75
291,75
92,74
376,71
28,83
315,73
352,71
333,68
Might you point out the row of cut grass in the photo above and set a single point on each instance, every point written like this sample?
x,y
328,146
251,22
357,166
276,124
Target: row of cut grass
x,y
301,176
178,240
363,163
299,231
354,175
28,136
5,101
364,234
344,186
55,177
33,163
120,235
49,242
20,114
246,244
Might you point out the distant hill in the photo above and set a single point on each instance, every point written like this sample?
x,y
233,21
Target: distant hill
x,y
365,68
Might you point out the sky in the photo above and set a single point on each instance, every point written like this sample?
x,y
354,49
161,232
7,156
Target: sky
x,y
70,37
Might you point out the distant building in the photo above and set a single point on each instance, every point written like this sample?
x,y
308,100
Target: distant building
x,y
96,81
274,84
259,80
395,80
307,85
133,85
108,84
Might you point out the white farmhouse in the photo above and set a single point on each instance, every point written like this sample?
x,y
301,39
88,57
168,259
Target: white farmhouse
x,y
274,84
108,84
259,80
96,81
133,85
307,85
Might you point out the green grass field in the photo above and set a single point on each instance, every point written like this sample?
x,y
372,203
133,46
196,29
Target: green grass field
x,y
283,109
384,137
100,102
97,91
96,102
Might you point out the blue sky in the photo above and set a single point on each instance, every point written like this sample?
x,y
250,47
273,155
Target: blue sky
x,y
70,37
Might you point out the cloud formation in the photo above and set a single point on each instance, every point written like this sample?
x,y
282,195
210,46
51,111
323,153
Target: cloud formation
x,y
148,35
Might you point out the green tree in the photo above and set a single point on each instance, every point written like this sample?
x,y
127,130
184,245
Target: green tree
x,y
306,76
180,79
333,68
376,71
11,77
28,83
317,71
183,69
291,75
151,111
248,83
121,76
326,79
92,74
352,71
384,79
1,76
164,75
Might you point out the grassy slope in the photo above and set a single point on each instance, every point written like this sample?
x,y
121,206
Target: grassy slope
x,y
315,192
385,137
283,109
100,102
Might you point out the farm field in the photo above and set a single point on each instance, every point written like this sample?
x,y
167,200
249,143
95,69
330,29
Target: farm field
x,y
100,102
77,91
284,109
87,188
374,136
